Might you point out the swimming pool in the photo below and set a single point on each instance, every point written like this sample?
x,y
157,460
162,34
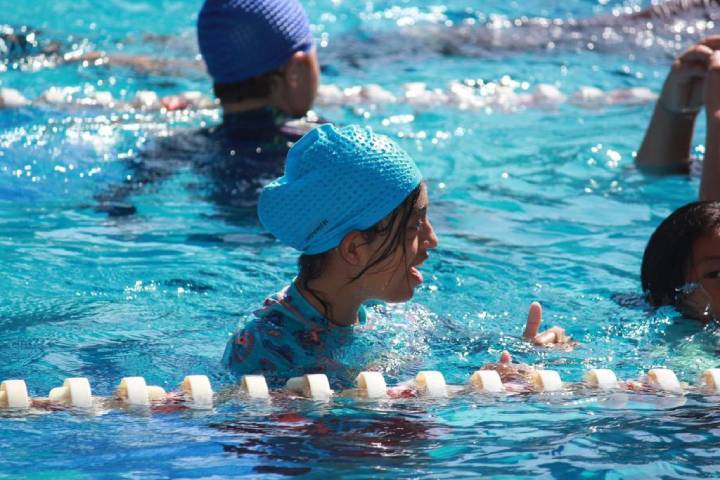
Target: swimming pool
x,y
534,204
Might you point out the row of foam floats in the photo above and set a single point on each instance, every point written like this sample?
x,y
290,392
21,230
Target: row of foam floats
x,y
197,391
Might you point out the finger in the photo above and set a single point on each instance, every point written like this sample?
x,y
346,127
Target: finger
x,y
533,322
505,357
692,61
713,41
560,336
696,53
546,338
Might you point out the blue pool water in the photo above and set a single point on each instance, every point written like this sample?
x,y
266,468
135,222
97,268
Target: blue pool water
x,y
536,204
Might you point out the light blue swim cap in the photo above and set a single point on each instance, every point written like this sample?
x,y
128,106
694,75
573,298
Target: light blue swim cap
x,y
336,181
241,39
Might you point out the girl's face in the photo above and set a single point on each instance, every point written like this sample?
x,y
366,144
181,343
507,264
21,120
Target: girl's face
x,y
395,278
704,270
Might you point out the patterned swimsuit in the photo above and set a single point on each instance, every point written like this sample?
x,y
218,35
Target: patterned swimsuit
x,y
288,337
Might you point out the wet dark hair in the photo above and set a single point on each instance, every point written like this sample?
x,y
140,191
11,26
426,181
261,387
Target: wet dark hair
x,y
669,251
312,266
250,88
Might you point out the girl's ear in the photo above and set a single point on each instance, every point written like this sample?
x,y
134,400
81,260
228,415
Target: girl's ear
x,y
353,249
295,72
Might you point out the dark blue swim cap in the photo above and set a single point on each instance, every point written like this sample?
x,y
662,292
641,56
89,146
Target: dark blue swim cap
x,y
240,39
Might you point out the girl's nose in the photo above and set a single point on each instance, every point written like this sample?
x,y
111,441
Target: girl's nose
x,y
430,240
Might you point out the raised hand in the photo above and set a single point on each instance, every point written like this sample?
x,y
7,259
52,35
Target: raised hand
x,y
553,336
682,92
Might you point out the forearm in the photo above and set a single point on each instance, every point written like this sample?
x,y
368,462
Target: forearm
x,y
667,142
710,182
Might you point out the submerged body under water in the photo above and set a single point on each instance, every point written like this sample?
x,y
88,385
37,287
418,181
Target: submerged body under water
x,y
534,204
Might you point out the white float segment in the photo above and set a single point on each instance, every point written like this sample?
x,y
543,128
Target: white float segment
x,y
11,98
431,383
546,94
711,379
75,392
315,386
588,97
102,98
487,381
602,378
146,99
198,99
198,388
255,386
133,391
13,394
371,384
546,381
665,380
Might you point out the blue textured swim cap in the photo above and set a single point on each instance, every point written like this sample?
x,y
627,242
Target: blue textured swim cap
x,y
336,181
240,39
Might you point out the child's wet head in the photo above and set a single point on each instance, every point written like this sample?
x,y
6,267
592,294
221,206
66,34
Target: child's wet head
x,y
681,264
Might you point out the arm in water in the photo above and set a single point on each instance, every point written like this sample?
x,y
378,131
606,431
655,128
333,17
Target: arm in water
x,y
710,182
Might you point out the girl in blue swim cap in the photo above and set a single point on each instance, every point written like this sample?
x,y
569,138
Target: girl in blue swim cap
x,y
354,205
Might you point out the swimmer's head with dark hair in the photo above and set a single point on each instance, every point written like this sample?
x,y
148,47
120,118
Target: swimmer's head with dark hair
x,y
681,264
260,54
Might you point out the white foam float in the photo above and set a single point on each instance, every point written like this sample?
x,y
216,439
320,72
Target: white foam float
x,y
431,383
135,391
487,381
376,94
198,99
14,394
11,98
58,95
371,385
602,378
315,386
665,380
146,100
75,392
330,95
588,97
546,381
98,99
546,95
198,390
711,380
255,386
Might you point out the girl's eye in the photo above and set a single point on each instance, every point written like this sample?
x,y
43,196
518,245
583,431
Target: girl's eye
x,y
417,225
713,274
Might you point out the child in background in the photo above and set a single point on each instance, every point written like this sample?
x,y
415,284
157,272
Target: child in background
x,y
355,206
681,264
261,57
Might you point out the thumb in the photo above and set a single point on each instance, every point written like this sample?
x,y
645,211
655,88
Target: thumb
x,y
505,357
533,322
